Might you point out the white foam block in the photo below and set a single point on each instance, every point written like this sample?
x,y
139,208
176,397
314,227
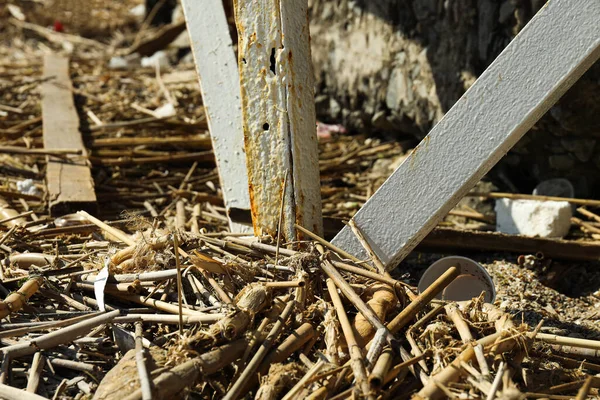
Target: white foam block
x,y
533,217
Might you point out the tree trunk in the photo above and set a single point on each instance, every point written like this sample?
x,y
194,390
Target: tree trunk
x,y
396,66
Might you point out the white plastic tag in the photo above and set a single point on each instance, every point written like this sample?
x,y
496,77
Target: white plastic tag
x,y
99,285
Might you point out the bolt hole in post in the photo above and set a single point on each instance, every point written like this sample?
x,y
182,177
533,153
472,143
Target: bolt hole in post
x,y
266,126
273,63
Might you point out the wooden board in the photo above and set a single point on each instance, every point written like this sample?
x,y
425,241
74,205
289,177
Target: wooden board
x,y
559,44
279,115
69,180
220,85
460,241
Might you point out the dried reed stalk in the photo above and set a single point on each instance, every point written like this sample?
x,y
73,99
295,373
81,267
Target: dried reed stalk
x,y
396,284
35,372
330,246
499,342
61,336
381,369
589,214
357,232
11,393
114,232
467,337
357,361
45,326
351,295
235,391
140,361
569,341
157,304
453,371
179,283
168,384
294,342
402,319
15,301
583,392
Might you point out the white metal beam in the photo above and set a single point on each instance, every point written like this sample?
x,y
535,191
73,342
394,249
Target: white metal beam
x,y
557,46
279,115
220,84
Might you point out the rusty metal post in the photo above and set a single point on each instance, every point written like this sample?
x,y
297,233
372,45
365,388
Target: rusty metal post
x,y
278,115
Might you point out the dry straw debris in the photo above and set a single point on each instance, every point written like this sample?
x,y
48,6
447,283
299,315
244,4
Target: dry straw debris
x,y
301,321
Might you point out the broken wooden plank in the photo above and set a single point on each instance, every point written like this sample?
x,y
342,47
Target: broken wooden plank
x,y
524,81
69,179
220,85
279,116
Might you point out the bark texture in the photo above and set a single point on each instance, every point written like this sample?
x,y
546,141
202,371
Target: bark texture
x,y
396,66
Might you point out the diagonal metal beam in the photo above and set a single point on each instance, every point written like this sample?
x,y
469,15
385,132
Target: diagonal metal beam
x,y
277,87
557,46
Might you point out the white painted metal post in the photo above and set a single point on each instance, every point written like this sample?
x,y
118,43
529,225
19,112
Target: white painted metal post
x,y
557,46
220,84
279,115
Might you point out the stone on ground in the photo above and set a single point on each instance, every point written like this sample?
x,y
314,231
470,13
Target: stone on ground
x,y
533,218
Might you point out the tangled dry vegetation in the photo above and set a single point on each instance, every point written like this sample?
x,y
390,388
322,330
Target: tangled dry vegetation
x,y
192,310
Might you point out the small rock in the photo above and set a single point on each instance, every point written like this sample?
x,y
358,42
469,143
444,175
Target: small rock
x,y
533,218
561,162
558,187
334,107
582,149
507,10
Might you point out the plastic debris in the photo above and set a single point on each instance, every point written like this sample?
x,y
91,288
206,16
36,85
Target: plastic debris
x,y
27,186
548,219
160,57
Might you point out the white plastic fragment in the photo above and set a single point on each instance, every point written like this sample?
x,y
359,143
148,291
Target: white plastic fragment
x,y
138,11
16,12
473,280
546,219
160,57
118,63
27,186
67,46
100,284
166,110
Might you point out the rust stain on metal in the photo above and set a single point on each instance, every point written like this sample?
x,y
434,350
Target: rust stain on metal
x,y
278,114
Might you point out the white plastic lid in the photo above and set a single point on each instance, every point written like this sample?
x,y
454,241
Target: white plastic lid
x,y
473,280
